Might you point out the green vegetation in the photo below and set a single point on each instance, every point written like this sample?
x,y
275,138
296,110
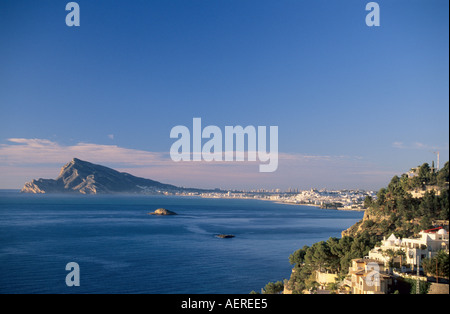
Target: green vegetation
x,y
423,286
394,210
272,288
392,254
333,255
437,265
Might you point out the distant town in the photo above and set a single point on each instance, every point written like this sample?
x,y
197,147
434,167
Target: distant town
x,y
82,177
329,199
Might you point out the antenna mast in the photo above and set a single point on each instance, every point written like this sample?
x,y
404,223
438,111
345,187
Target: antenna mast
x,y
437,153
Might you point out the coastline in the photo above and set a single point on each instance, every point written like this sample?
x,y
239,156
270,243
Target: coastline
x,y
277,201
280,202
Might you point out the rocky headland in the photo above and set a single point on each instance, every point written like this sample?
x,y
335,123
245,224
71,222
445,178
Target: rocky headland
x,y
83,177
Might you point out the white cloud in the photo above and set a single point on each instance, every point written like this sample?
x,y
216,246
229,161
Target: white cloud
x,y
398,145
417,146
24,159
41,151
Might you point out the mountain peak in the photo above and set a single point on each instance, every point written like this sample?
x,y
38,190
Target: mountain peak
x,y
79,176
76,161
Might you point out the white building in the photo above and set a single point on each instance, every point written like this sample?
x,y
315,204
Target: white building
x,y
427,245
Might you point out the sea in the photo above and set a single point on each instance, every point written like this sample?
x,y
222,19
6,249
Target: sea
x,y
119,248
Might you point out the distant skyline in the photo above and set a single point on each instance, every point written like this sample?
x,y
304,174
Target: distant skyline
x,y
354,105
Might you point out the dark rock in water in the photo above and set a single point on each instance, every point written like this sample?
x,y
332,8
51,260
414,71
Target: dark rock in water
x,y
225,236
163,212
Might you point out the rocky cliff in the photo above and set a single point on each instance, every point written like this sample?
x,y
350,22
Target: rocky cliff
x,y
83,177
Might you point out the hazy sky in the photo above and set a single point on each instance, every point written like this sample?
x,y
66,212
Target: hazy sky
x,y
354,104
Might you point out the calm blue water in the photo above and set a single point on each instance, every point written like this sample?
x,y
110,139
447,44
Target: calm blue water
x,y
121,249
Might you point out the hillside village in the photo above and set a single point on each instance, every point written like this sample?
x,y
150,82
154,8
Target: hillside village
x,y
401,246
386,266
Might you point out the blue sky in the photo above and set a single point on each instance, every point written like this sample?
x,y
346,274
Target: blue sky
x,y
364,103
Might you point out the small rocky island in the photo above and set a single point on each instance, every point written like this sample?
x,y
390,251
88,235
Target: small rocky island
x,y
225,236
163,212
